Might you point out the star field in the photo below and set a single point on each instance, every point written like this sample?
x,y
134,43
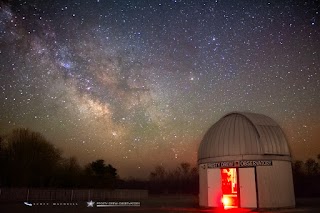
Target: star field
x,y
138,83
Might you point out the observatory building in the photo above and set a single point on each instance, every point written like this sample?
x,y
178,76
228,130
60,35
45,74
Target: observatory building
x,y
244,161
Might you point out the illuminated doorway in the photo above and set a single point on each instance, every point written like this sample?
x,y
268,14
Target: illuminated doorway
x,y
229,183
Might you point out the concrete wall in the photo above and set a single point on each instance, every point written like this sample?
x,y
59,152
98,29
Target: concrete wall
x,y
203,185
275,185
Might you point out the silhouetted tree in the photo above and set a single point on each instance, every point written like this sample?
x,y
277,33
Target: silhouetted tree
x,y
306,177
100,169
185,167
31,159
182,179
297,167
3,162
158,174
311,166
157,180
70,174
101,175
27,159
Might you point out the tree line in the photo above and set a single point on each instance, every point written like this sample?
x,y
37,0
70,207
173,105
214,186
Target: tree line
x,y
183,179
27,159
306,177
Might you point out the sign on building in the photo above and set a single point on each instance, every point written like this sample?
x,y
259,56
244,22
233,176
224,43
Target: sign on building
x,y
241,163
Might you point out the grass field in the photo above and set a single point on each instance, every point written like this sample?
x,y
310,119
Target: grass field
x,y
154,204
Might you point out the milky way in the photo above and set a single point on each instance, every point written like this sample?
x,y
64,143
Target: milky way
x,y
138,83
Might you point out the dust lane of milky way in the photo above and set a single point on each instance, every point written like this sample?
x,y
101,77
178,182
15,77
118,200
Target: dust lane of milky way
x,y
138,83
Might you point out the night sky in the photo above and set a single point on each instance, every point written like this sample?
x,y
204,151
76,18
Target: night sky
x,y
138,83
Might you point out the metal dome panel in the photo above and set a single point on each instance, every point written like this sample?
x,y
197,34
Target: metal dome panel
x,y
243,134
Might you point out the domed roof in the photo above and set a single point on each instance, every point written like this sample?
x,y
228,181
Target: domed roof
x,y
246,133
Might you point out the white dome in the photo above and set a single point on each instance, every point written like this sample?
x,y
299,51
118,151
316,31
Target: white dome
x,y
243,134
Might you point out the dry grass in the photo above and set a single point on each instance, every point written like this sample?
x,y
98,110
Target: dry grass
x,y
156,204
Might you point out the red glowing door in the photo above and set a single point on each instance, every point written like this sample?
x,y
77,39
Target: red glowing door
x,y
229,182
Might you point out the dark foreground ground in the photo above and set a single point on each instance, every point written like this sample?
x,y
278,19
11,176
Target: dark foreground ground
x,y
154,204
